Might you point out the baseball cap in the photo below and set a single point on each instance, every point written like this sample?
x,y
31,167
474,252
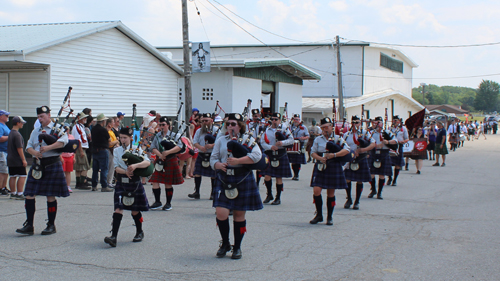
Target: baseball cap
x,y
18,119
3,112
120,114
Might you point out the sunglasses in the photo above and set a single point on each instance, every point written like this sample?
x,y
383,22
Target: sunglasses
x,y
275,119
234,124
161,125
356,122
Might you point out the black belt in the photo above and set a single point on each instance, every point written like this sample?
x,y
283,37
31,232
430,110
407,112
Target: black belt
x,y
121,178
49,161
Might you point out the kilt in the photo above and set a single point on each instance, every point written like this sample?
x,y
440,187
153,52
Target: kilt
x,y
385,167
361,175
298,158
398,160
81,163
171,173
248,193
52,183
441,151
431,145
331,178
140,202
282,171
202,171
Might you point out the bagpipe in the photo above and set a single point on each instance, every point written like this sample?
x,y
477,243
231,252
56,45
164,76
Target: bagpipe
x,y
134,156
60,129
238,149
333,146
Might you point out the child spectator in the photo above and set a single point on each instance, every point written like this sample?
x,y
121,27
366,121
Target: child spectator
x,y
68,159
16,160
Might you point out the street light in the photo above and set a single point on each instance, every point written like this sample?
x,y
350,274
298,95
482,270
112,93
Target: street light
x,y
423,93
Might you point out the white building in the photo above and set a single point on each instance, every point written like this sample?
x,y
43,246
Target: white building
x,y
107,64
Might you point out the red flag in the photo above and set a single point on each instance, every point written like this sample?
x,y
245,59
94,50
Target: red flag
x,y
416,120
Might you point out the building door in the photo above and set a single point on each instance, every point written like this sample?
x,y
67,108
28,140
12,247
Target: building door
x,y
268,98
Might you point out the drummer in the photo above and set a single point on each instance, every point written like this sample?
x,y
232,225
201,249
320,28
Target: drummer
x,y
300,135
401,134
361,172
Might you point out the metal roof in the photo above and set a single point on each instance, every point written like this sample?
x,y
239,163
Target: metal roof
x,y
28,38
287,65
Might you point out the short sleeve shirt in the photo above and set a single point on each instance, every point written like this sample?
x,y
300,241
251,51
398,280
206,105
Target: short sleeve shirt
x,y
15,141
4,132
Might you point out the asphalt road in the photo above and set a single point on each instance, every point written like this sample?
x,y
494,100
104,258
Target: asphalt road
x,y
440,225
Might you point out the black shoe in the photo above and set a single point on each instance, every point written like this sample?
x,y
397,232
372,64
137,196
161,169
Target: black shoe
x,y
348,204
155,206
194,195
236,254
442,165
276,202
355,206
167,207
111,240
389,181
223,249
268,199
138,237
316,219
309,160
26,229
295,178
435,164
50,229
394,183
373,193
329,221
418,172
379,196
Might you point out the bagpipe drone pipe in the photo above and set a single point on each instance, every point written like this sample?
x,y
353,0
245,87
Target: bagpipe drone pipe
x,y
239,150
335,147
387,135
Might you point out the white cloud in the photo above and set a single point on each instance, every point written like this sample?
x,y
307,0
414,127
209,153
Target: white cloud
x,y
410,14
339,5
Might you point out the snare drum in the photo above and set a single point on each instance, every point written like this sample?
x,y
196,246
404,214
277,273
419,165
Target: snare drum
x,y
295,149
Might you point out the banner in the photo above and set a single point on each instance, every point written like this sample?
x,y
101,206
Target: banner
x,y
200,52
415,147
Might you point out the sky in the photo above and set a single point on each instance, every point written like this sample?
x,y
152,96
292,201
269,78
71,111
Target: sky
x,y
421,23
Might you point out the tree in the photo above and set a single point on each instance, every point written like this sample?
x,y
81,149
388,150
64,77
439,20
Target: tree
x,y
487,96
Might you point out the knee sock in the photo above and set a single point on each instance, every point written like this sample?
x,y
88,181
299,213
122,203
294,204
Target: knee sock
x,y
117,219
197,183
138,222
359,190
348,191
330,205
239,229
29,205
224,230
390,178
279,189
372,184
78,181
298,169
212,182
170,193
51,211
381,183
269,187
318,201
258,178
157,193
396,174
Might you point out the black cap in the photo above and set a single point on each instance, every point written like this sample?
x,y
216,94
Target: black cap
x,y
395,117
207,115
152,112
127,131
355,118
326,120
235,116
296,115
164,119
42,109
276,114
378,118
255,111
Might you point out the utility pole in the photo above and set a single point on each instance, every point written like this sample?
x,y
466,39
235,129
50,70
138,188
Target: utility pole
x,y
423,93
187,65
339,82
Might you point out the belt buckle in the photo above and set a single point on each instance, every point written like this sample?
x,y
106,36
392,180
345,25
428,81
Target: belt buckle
x,y
125,180
230,172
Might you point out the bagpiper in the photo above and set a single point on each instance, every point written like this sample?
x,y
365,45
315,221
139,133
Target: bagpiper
x,y
257,126
300,135
401,134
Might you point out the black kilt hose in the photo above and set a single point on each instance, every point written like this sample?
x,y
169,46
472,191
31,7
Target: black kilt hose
x,y
398,160
52,183
171,173
135,185
248,193
361,175
385,167
297,158
330,178
282,171
202,171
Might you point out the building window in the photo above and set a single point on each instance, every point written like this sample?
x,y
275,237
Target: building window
x,y
207,94
392,64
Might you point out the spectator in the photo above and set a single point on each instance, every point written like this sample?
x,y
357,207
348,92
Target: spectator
x,y
120,115
440,145
100,156
16,160
113,143
68,160
4,136
88,129
82,164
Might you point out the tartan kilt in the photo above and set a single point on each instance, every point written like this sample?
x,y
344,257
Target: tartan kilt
x,y
298,158
331,178
282,171
441,151
385,167
141,201
200,170
52,183
361,175
171,173
398,160
248,193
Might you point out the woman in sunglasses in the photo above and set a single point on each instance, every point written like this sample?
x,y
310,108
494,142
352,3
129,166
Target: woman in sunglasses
x,y
232,171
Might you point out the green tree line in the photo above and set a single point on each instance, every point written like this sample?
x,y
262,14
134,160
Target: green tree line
x,y
484,98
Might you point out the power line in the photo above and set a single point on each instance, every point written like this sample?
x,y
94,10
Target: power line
x,y
202,24
427,46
